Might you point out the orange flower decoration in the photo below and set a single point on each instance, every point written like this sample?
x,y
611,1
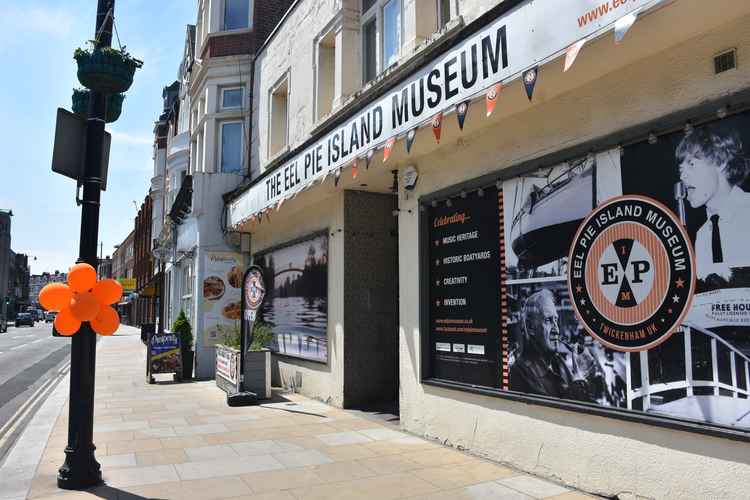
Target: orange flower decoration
x,y
83,299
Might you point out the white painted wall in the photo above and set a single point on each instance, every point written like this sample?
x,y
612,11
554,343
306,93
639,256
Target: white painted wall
x,y
664,65
311,212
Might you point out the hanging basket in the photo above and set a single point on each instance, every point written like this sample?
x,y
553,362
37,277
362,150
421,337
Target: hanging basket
x,y
81,104
107,70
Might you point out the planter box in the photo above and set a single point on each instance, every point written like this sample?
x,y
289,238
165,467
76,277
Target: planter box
x,y
258,373
227,369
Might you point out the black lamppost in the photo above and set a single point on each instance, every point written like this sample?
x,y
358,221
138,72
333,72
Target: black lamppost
x,y
81,469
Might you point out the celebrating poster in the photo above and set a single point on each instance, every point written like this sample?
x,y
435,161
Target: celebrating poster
x,y
296,302
222,305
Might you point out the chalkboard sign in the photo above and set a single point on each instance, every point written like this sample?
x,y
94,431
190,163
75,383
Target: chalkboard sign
x,y
464,264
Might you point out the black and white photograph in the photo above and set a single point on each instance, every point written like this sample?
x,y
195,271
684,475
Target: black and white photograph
x,y
552,355
542,212
296,304
701,173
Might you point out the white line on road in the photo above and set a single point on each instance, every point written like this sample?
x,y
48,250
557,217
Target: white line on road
x,y
17,347
19,337
38,340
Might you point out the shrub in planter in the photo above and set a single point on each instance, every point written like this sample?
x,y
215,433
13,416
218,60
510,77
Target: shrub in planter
x,y
81,104
181,327
106,69
262,335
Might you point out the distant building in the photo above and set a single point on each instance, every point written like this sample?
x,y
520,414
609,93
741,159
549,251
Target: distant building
x,y
144,309
5,216
104,270
37,282
123,263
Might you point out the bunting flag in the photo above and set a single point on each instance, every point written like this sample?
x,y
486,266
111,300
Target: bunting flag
x,y
437,125
268,215
410,135
490,98
461,110
370,154
355,172
337,177
529,80
623,24
281,202
388,148
571,53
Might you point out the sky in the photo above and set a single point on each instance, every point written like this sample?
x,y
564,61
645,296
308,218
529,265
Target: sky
x,y
37,40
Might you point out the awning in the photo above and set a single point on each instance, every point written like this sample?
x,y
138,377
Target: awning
x,y
150,289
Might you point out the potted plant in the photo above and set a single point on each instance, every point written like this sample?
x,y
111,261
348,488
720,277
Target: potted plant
x,y
81,104
181,327
105,69
258,361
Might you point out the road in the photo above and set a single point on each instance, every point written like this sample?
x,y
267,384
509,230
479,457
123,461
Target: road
x,y
29,356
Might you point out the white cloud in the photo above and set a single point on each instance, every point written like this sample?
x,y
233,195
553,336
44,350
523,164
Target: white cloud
x,y
128,138
19,24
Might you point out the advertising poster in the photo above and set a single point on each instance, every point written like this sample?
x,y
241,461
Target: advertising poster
x,y
296,300
626,278
227,369
164,353
465,289
222,282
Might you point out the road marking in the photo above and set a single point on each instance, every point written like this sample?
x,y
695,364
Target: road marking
x,y
17,347
38,340
19,337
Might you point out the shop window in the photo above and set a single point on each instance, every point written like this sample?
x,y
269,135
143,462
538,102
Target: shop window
x,y
444,13
279,110
326,75
231,146
231,98
505,256
237,14
381,36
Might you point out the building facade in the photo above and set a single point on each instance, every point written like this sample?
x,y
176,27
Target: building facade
x,y
123,270
38,281
205,128
146,279
457,204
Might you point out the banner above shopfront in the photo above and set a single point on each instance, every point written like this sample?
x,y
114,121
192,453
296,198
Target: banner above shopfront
x,y
523,38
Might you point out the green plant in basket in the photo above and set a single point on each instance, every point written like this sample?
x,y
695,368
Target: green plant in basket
x,y
81,104
105,69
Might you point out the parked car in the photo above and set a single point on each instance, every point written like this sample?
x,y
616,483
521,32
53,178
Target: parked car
x,y
34,314
49,316
24,319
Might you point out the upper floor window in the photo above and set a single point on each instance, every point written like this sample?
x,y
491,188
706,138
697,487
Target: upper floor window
x,y
444,12
236,14
381,35
231,98
279,111
231,147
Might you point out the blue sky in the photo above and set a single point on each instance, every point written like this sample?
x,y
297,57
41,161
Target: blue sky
x,y
37,40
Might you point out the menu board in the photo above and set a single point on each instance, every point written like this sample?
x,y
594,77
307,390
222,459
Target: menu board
x,y
464,288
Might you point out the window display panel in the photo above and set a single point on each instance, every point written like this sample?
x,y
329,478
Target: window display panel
x,y
624,280
296,303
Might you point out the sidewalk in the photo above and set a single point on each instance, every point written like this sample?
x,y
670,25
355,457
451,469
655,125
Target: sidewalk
x,y
183,441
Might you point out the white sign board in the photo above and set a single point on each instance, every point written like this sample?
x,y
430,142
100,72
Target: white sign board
x,y
520,39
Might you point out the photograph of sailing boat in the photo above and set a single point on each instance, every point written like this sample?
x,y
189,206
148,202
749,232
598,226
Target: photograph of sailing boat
x,y
296,304
543,211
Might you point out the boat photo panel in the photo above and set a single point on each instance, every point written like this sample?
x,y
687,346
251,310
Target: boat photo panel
x,y
296,302
627,277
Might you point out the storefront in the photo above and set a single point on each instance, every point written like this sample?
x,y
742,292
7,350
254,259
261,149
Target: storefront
x,y
573,296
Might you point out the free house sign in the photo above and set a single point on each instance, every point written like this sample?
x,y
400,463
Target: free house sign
x,y
631,273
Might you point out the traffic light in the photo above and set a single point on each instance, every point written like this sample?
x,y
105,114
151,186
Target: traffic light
x,y
7,301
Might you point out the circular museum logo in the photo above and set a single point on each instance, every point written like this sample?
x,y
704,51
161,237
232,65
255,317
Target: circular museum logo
x,y
255,289
631,273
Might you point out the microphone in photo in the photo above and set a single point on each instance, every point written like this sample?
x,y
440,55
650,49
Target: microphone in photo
x,y
680,193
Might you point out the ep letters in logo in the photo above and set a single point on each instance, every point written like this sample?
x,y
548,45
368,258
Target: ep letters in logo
x,y
631,273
